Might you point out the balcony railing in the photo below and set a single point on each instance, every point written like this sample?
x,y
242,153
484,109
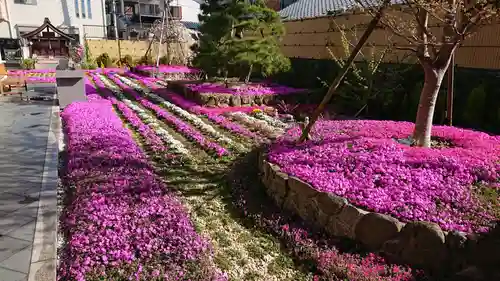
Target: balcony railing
x,y
132,32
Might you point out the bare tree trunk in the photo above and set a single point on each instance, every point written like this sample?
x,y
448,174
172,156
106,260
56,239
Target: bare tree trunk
x,y
427,105
434,72
149,47
226,83
338,80
249,74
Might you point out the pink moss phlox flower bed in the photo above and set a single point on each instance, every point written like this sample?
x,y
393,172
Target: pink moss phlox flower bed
x,y
168,68
356,267
35,75
181,126
91,91
151,139
328,257
118,220
187,104
251,89
213,114
107,69
362,161
32,72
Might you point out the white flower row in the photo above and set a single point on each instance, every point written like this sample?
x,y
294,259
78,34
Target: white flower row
x,y
255,123
195,120
151,121
269,119
174,144
161,83
114,88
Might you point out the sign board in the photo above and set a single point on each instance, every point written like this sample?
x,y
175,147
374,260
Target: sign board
x,y
48,34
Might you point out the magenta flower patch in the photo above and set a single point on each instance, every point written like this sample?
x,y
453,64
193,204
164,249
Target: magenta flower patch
x,y
168,68
149,136
251,89
213,114
181,126
363,162
35,75
119,215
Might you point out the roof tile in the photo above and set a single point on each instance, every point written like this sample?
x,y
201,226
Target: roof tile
x,y
315,8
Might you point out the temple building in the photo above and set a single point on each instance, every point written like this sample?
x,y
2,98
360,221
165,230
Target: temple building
x,y
45,28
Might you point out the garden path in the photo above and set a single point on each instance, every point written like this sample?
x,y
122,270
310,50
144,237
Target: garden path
x,y
28,181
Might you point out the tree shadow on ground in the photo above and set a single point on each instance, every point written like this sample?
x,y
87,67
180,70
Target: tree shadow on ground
x,y
240,189
249,203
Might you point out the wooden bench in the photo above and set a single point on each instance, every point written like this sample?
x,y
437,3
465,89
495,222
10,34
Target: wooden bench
x,y
12,82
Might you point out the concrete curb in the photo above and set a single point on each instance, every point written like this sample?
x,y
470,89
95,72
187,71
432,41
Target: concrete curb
x,y
44,253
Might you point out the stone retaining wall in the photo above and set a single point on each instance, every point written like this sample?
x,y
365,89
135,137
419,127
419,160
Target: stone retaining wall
x,y
422,244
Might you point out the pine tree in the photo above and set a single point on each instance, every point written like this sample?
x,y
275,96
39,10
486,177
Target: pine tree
x,y
239,35
215,29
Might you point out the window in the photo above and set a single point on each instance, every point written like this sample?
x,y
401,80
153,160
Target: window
x,y
83,8
150,10
89,9
25,2
145,9
77,9
176,12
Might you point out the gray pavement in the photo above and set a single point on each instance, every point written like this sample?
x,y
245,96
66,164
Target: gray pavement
x,y
28,185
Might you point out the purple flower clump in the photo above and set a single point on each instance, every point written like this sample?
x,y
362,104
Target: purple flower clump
x,y
91,91
181,126
168,68
35,75
251,89
118,219
151,139
188,105
364,162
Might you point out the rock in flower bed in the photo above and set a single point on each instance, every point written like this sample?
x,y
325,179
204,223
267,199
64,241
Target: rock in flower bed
x,y
119,221
363,162
235,93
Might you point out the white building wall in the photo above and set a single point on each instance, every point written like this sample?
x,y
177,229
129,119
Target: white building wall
x,y
61,13
4,30
190,9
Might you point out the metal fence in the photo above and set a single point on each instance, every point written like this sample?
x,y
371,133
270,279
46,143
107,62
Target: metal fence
x,y
132,32
95,31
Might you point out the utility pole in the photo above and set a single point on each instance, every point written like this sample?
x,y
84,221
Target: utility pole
x,y
455,16
122,6
163,20
116,30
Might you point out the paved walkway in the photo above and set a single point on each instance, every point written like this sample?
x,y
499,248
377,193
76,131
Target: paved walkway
x,y
28,186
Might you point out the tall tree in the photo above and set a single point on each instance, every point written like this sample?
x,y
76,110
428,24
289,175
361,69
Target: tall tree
x,y
254,44
433,30
240,34
215,29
